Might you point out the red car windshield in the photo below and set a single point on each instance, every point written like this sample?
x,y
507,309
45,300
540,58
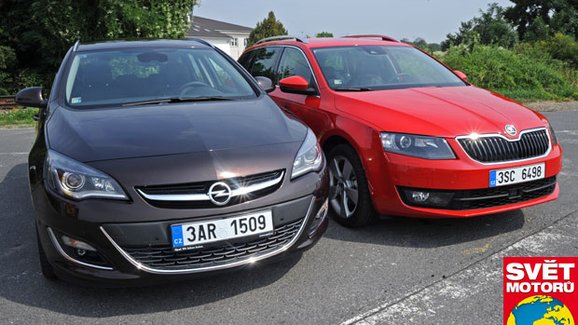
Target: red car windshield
x,y
361,68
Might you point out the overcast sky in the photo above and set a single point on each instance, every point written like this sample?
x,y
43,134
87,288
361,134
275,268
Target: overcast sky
x,y
429,19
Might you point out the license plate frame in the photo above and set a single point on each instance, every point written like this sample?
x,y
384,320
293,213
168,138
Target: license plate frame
x,y
516,175
197,234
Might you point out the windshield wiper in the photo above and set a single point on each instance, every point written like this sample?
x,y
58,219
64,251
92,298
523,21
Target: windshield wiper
x,y
353,89
176,100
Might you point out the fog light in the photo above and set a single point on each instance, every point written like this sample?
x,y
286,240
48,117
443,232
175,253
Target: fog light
x,y
427,198
319,217
79,245
322,213
419,196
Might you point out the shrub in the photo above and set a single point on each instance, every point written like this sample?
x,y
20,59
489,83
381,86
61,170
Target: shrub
x,y
561,47
525,75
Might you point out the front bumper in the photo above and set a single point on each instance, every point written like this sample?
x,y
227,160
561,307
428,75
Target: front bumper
x,y
462,176
122,248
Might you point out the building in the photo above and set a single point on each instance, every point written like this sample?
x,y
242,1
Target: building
x,y
230,38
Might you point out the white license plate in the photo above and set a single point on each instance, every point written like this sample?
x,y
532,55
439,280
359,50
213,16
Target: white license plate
x,y
516,175
190,235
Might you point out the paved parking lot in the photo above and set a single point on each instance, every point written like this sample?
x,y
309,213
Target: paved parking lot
x,y
410,270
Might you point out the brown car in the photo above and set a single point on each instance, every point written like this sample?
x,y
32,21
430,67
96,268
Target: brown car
x,y
157,160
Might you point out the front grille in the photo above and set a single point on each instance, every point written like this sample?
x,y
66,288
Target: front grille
x,y
498,149
503,195
164,258
201,188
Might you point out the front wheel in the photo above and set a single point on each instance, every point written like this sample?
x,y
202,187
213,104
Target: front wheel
x,y
349,194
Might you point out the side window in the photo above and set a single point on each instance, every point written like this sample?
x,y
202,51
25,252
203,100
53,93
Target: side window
x,y
245,59
294,63
335,67
264,62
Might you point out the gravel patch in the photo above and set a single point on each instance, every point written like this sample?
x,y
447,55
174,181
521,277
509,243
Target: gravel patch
x,y
550,106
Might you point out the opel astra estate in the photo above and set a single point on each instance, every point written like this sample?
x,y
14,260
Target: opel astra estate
x,y
405,135
159,160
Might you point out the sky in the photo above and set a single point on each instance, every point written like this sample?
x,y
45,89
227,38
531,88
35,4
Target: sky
x,y
428,19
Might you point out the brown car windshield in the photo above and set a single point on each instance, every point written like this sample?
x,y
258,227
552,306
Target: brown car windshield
x,y
365,68
120,77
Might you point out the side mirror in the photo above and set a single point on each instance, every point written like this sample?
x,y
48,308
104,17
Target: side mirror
x,y
461,75
265,83
30,97
296,85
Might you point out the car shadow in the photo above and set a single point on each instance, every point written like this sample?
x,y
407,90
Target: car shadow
x,y
428,233
23,283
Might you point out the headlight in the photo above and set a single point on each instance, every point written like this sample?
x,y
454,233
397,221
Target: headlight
x,y
309,158
417,146
553,136
79,181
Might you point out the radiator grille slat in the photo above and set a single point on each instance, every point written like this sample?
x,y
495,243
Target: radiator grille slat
x,y
489,149
165,258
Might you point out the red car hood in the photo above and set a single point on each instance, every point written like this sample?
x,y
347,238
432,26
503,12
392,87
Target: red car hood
x,y
443,111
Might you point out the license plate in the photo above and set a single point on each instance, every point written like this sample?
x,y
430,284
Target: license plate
x,y
516,175
193,234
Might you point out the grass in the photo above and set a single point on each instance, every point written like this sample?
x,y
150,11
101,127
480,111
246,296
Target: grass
x,y
17,117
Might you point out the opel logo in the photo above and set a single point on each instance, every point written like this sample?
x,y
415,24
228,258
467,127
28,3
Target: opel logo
x,y
511,130
219,193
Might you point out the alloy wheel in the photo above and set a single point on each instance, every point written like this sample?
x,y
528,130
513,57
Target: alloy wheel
x,y
344,194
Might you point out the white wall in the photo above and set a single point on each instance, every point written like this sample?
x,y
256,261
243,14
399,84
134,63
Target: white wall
x,y
221,43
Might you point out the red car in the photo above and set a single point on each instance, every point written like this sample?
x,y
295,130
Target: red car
x,y
404,134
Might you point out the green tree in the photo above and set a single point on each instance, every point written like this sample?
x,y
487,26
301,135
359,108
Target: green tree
x,y
7,60
490,27
324,34
422,44
41,31
270,26
539,18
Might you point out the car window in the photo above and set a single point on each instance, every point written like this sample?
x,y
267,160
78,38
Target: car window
x,y
414,67
129,75
294,63
264,62
381,67
245,59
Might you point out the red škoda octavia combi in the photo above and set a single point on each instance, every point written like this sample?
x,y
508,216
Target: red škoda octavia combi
x,y
404,134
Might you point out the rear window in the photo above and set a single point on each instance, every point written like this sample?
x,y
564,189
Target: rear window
x,y
129,75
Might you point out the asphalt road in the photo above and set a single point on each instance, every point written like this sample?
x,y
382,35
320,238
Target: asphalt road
x,y
397,271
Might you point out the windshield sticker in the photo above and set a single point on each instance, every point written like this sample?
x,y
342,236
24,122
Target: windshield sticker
x,y
76,100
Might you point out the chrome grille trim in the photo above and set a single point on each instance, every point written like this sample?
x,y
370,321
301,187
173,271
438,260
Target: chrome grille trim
x,y
244,190
489,150
252,259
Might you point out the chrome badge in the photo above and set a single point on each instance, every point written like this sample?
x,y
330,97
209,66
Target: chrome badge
x,y
219,193
511,130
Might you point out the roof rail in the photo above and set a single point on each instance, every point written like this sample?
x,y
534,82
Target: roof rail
x,y
383,37
282,37
75,47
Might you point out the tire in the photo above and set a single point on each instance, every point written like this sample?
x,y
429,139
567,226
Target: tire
x,y
45,267
349,196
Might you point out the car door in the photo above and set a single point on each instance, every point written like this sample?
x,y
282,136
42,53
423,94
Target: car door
x,y
293,62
